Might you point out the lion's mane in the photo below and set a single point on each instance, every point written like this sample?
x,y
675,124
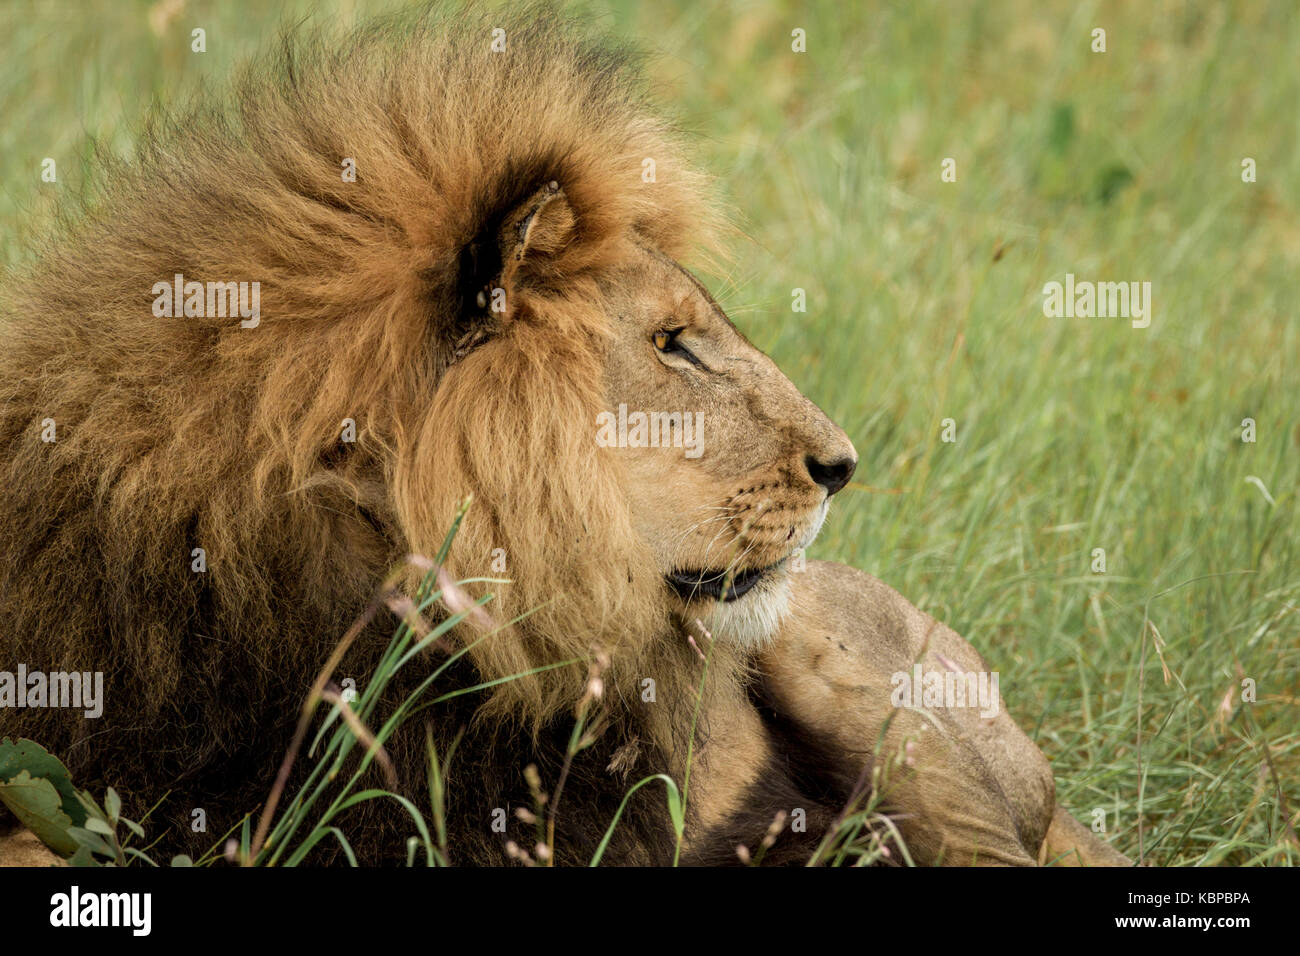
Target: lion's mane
x,y
192,432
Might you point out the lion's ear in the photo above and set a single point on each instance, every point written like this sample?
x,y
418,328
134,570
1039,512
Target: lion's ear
x,y
539,228
525,250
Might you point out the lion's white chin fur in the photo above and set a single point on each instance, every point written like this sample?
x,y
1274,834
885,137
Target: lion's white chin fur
x,y
753,620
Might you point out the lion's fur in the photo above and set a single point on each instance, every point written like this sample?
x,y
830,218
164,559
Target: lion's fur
x,y
183,433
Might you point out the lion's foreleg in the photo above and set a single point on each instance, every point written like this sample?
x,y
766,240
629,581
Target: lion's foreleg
x,y
964,786
1070,843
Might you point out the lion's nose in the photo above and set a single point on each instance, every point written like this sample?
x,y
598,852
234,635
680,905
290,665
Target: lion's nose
x,y
831,475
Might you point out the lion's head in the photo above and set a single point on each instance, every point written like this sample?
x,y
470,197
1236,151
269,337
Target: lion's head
x,y
747,487
650,464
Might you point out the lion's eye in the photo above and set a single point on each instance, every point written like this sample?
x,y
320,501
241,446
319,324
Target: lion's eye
x,y
667,343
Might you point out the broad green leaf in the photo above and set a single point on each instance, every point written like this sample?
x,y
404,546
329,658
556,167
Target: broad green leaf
x,y
23,754
91,839
39,807
83,857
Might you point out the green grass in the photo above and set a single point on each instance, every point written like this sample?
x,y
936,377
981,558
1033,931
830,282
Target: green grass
x,y
1073,434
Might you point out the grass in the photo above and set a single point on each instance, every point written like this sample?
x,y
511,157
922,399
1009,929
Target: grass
x,y
924,303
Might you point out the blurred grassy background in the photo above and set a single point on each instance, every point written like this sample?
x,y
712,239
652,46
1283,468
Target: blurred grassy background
x,y
925,303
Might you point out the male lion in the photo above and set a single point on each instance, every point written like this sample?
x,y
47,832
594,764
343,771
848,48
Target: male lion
x,y
186,510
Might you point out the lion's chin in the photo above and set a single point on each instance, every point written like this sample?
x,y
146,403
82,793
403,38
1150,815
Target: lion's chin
x,y
751,620
748,608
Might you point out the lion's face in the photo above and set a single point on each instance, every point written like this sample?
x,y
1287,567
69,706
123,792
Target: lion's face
x,y
729,468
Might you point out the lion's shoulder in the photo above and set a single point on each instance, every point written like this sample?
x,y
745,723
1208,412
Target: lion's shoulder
x,y
843,600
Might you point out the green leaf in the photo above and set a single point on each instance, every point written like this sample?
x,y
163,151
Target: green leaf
x,y
131,851
96,825
83,857
112,805
675,811
22,754
182,860
39,807
88,838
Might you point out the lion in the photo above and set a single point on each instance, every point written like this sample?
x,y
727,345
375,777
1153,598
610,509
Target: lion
x,y
463,236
